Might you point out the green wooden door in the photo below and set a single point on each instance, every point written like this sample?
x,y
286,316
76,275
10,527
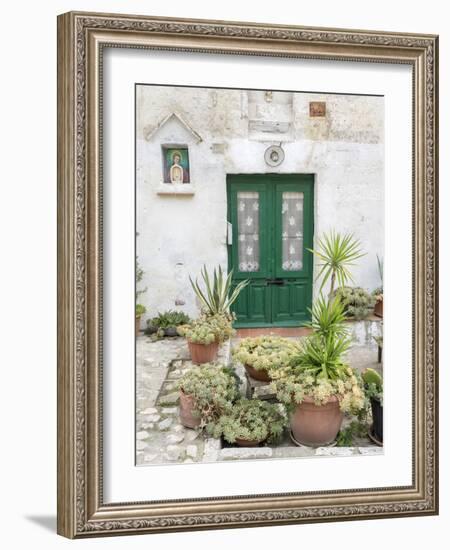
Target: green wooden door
x,y
271,216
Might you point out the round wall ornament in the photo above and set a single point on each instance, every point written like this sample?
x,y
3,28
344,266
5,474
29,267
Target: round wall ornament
x,y
274,155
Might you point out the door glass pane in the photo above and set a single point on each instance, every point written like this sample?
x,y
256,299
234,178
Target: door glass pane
x,y
248,230
292,231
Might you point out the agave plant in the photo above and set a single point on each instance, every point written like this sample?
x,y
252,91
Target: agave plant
x,y
217,297
337,253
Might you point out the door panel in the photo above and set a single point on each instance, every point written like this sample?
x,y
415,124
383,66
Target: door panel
x,y
271,217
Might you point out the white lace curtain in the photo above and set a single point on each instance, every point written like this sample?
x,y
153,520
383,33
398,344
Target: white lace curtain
x,y
292,231
248,230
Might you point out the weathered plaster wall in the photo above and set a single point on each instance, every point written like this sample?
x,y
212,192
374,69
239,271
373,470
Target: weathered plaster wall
x,y
180,233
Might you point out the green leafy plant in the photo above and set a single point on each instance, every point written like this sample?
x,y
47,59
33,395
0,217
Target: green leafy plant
x,y
251,420
265,352
320,372
357,302
346,436
208,329
169,319
140,310
373,384
337,253
328,317
213,389
217,296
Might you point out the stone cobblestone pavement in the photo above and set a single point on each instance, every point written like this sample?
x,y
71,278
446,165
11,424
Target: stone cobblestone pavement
x,y
160,438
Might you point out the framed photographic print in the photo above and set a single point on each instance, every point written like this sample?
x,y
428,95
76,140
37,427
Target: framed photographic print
x,y
247,282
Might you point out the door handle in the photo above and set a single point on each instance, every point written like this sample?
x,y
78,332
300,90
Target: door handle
x,y
278,282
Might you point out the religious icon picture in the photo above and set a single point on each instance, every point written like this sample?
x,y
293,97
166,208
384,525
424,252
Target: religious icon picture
x,y
176,165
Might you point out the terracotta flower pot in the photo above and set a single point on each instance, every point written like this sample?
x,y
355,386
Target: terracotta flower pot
x,y
187,417
261,375
203,353
138,325
378,309
247,442
316,425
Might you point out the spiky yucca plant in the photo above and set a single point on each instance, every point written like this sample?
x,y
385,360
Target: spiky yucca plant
x,y
328,317
336,253
217,297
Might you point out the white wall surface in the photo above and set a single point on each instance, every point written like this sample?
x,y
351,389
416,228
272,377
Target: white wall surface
x,y
344,150
28,277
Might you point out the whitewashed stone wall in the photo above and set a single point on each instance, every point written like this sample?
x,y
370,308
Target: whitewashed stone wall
x,y
227,132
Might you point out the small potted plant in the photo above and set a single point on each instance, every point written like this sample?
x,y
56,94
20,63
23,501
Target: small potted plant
x,y
167,322
140,310
262,354
250,422
373,384
206,393
204,336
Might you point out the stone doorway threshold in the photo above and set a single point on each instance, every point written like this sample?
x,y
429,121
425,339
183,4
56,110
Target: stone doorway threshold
x,y
277,331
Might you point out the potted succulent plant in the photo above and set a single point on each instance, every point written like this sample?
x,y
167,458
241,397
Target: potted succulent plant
x,y
250,422
167,322
204,336
140,310
206,393
262,354
318,386
373,384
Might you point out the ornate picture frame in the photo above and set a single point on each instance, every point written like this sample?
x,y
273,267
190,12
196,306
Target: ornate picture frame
x,y
82,38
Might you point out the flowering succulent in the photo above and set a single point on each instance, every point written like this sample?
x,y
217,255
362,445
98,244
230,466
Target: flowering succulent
x,y
208,329
251,420
213,389
265,352
319,372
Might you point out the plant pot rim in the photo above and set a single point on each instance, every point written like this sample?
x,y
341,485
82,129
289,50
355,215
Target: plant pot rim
x,y
307,399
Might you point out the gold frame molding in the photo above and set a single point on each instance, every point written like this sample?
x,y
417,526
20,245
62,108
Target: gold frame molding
x,y
81,39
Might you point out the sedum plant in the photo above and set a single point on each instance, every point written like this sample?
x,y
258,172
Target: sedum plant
x,y
206,330
265,352
357,302
251,420
320,372
217,296
213,389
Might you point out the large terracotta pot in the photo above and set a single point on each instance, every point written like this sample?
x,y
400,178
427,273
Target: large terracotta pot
x,y
138,325
246,442
201,353
186,411
261,375
316,425
378,309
